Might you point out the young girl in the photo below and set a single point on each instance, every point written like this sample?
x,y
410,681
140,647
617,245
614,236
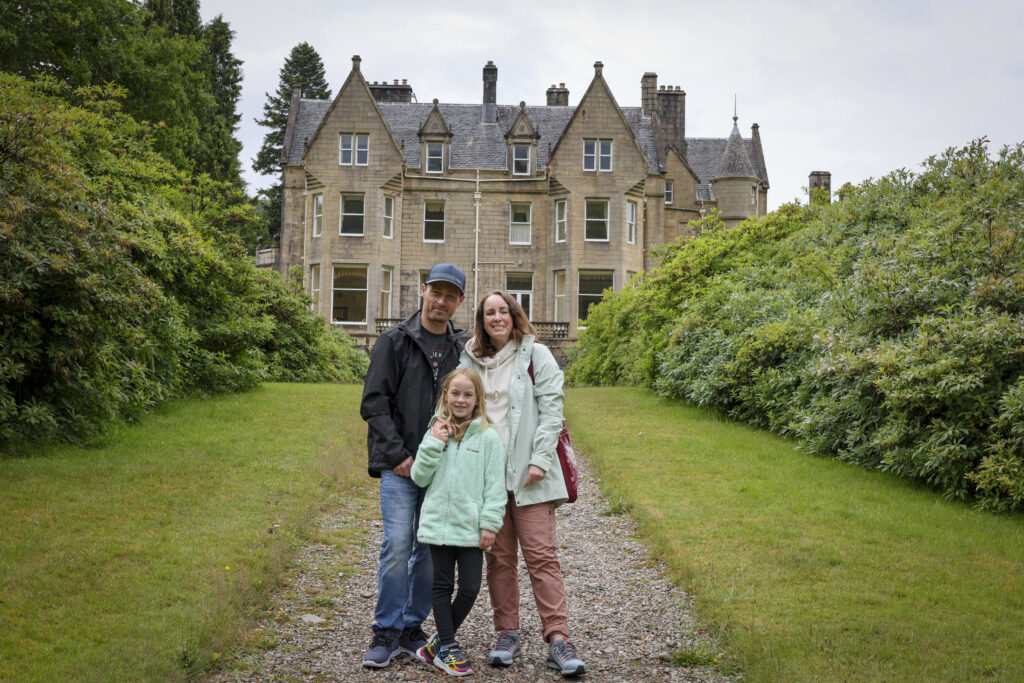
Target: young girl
x,y
461,461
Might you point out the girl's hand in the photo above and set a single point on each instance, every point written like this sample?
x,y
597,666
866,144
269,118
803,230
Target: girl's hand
x,y
534,475
486,539
440,430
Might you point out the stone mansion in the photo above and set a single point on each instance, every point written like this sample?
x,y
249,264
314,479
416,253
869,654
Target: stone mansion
x,y
553,203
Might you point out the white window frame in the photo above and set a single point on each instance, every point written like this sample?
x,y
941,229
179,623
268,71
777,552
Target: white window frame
x,y
353,149
587,220
387,212
670,191
580,294
561,220
516,149
335,290
314,285
527,226
318,214
518,293
342,214
434,221
595,159
428,157
362,149
631,222
559,289
386,280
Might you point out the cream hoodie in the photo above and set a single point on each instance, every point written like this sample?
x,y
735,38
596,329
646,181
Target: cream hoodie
x,y
497,376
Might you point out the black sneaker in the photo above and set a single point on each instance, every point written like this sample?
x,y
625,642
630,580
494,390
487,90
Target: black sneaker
x,y
383,648
411,640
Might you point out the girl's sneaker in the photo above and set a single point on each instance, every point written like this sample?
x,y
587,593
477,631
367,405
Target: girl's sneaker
x,y
451,661
429,651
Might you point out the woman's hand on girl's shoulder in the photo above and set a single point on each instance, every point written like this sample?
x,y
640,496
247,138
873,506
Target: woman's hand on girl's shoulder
x,y
440,430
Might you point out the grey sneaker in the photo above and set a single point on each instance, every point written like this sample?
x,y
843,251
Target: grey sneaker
x,y
562,656
383,649
506,649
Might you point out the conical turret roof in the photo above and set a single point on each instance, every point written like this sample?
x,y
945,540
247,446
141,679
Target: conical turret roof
x,y
735,160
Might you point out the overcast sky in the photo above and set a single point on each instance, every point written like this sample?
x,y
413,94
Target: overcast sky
x,y
855,88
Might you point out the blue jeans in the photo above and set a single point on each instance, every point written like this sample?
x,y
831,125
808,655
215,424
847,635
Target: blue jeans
x,y
405,575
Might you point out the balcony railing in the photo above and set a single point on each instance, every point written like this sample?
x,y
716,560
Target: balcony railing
x,y
546,329
266,258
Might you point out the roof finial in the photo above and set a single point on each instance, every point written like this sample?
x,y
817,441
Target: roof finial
x,y
735,118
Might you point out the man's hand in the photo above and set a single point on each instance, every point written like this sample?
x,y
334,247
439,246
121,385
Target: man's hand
x,y
534,475
404,468
486,539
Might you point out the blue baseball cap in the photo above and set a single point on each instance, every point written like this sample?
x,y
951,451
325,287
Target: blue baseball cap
x,y
446,272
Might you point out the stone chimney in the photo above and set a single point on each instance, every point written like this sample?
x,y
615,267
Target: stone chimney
x,y
392,92
819,185
489,113
558,97
671,108
648,92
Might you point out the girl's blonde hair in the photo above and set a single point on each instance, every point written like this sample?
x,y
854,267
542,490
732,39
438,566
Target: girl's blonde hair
x,y
479,410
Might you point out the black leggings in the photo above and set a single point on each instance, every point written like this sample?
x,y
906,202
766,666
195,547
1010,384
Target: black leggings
x,y
449,614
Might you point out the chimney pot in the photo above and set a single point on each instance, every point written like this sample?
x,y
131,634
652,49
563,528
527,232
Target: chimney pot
x,y
405,81
561,85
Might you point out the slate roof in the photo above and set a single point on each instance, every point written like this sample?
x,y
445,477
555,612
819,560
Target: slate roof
x,y
478,145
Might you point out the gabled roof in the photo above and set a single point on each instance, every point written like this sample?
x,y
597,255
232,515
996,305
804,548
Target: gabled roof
x,y
522,127
476,145
435,124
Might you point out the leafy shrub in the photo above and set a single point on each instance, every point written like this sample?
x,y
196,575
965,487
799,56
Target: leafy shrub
x,y
118,289
886,330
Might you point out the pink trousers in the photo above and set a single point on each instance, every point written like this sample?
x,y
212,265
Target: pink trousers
x,y
532,528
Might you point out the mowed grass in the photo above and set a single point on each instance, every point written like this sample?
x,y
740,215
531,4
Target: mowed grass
x,y
145,557
808,568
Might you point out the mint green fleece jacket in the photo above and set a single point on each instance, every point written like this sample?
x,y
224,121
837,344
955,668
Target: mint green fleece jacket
x,y
465,487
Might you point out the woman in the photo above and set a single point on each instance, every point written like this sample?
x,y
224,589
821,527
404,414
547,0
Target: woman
x,y
523,389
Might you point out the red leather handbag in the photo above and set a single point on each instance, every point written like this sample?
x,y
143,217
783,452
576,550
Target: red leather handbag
x,y
566,455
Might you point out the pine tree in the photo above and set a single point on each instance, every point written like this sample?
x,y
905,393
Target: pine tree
x,y
302,69
219,148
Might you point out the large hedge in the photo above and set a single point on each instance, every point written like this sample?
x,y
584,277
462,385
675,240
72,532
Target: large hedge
x,y
886,329
123,282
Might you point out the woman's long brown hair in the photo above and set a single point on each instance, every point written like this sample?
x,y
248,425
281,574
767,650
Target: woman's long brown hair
x,y
521,325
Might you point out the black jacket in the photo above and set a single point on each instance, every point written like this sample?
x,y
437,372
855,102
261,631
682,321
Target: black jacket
x,y
400,392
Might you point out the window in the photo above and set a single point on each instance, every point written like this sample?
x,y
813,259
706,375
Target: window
x,y
388,217
385,293
753,195
670,189
520,221
560,296
521,160
597,155
351,219
433,221
560,221
597,221
592,285
314,284
631,222
435,157
348,305
520,286
353,145
318,215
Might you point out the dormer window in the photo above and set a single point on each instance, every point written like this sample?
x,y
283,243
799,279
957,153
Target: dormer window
x,y
435,157
353,148
520,160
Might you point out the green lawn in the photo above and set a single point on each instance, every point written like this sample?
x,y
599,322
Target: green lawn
x,y
810,569
142,558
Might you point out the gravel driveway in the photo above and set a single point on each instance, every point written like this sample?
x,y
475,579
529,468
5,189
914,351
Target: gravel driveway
x,y
626,618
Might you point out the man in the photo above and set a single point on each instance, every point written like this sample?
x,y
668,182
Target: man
x,y
408,365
